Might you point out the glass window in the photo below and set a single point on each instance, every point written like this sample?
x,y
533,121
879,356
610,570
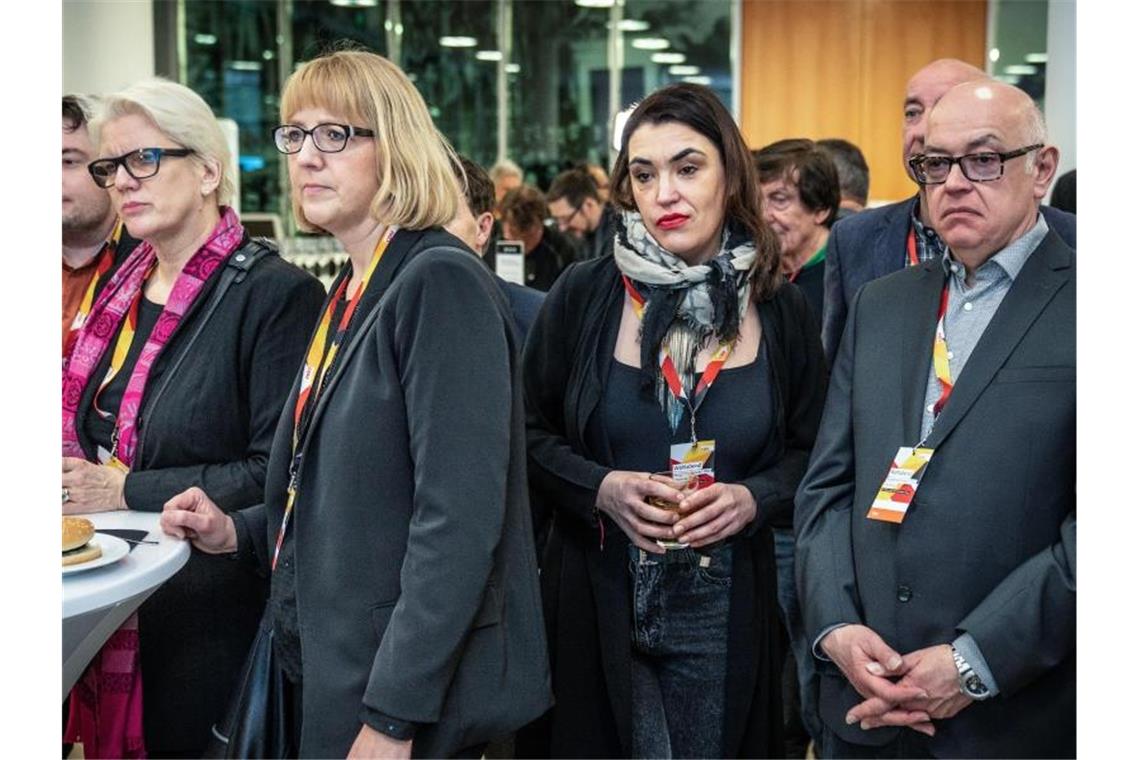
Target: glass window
x,y
557,64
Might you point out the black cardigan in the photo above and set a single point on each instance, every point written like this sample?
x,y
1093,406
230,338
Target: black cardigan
x,y
585,583
211,427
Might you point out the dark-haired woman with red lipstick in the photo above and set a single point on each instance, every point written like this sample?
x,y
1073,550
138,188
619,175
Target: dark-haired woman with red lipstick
x,y
685,353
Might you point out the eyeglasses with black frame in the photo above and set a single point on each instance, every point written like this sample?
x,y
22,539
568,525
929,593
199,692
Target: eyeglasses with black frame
x,y
977,167
327,137
140,164
562,221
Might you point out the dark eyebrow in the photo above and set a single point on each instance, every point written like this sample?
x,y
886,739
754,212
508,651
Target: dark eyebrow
x,y
672,159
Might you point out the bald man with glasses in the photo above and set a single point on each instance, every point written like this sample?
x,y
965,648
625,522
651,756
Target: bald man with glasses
x,y
941,598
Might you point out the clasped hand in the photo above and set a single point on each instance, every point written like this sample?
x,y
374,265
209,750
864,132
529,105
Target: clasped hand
x,y
900,690
703,517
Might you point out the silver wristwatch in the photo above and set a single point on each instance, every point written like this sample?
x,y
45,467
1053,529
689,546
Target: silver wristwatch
x,y
969,682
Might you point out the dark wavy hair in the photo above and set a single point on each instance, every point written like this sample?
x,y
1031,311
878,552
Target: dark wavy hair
x,y
807,166
698,108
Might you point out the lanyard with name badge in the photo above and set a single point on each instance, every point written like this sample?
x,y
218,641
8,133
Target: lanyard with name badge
x,y
909,465
317,363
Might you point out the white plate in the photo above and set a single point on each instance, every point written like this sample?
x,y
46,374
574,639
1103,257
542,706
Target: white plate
x,y
114,549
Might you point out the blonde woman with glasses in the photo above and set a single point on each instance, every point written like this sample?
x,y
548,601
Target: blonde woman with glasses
x,y
396,525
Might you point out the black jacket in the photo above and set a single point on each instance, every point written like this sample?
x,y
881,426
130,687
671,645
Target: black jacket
x,y
416,579
586,594
211,427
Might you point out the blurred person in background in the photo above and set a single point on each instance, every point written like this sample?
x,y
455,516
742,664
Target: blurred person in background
x,y
546,251
176,379
395,528
578,208
94,242
799,189
854,176
687,333
473,223
506,176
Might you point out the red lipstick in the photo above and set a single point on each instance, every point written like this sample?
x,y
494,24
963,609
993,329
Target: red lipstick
x,y
672,221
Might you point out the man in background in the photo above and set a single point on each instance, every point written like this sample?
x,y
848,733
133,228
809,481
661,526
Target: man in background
x,y
546,251
799,189
577,208
854,176
473,223
888,238
93,241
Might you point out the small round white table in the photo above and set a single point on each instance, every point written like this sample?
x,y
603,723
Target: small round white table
x,y
96,602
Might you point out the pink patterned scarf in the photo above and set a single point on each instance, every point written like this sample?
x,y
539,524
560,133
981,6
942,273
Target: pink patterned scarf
x,y
106,712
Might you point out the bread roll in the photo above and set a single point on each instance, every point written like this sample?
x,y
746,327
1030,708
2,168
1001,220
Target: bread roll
x,y
76,532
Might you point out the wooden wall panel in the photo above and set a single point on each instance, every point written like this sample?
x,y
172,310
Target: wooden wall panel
x,y
838,68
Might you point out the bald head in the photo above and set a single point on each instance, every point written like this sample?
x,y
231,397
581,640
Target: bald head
x,y
923,90
987,105
978,218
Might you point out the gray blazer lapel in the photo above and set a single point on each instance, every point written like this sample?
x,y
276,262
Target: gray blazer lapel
x,y
394,259
920,310
1046,271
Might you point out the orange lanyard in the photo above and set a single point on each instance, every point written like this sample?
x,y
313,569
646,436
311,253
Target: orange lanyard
x,y
317,363
942,353
669,369
106,258
911,248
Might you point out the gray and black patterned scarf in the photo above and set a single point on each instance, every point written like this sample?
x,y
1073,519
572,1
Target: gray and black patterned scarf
x,y
685,306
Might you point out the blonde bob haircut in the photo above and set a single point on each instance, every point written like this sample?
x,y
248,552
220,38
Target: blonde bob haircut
x,y
414,162
180,114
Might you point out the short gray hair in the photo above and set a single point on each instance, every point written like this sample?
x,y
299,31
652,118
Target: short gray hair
x,y
182,115
504,168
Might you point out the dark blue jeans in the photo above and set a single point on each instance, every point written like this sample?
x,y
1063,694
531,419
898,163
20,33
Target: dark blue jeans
x,y
680,651
784,543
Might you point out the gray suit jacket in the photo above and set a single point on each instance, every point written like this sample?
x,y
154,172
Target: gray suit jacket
x,y
416,578
989,545
872,243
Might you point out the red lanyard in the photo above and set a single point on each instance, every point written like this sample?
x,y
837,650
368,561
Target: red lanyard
x,y
317,362
942,353
106,258
911,248
669,369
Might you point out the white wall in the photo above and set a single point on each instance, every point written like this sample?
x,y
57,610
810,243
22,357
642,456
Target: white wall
x,y
1061,82
107,44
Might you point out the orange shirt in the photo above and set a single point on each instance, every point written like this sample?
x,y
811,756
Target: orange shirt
x,y
75,282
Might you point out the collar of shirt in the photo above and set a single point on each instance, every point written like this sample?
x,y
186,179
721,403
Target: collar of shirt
x,y
930,246
1011,258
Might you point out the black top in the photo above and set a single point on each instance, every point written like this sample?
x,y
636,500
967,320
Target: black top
x,y
810,283
99,428
640,436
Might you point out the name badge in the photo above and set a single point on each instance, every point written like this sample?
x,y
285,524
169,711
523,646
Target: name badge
x,y
898,489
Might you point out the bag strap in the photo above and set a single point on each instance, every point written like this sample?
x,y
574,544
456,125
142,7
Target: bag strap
x,y
237,267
